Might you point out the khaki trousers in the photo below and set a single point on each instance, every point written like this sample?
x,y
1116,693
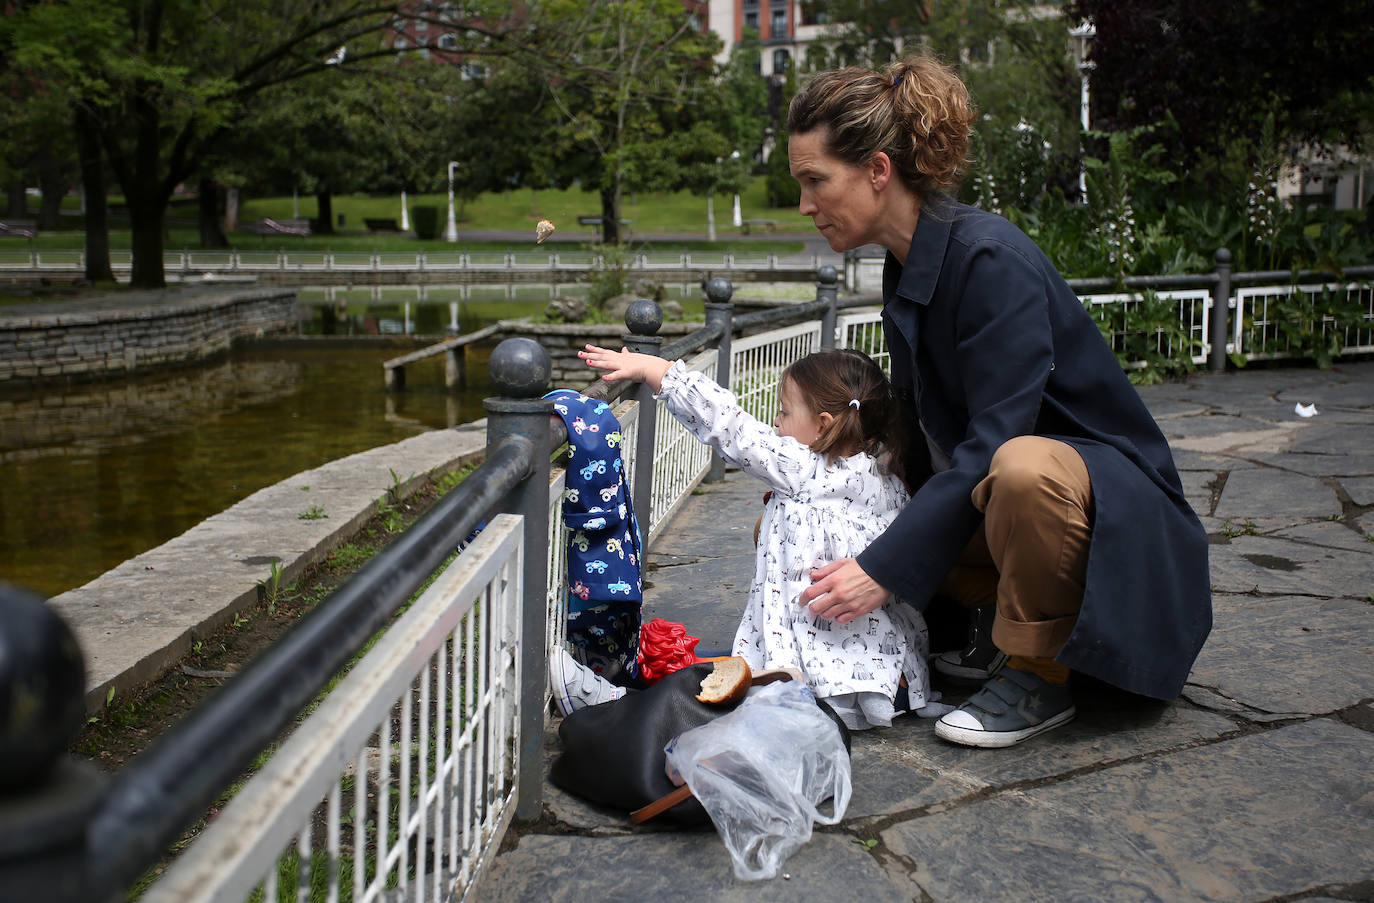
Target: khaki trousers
x,y
1030,555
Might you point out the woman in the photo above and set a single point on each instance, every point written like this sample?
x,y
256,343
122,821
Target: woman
x,y
1041,484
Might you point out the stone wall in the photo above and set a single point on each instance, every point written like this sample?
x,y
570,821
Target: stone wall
x,y
121,334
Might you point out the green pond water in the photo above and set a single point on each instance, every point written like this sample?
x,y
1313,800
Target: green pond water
x,y
95,474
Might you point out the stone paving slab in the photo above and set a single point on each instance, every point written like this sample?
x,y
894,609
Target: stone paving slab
x,y
1273,564
1289,654
905,768
1256,784
1262,491
682,865
1284,812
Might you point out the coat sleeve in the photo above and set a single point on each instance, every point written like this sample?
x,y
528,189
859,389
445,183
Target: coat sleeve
x,y
713,415
1002,356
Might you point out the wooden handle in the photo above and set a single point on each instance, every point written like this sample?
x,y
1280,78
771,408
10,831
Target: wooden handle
x,y
660,805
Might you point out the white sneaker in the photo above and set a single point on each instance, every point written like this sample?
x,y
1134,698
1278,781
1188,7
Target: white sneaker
x,y
575,686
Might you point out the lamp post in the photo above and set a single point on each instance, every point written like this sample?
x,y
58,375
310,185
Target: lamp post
x,y
451,230
711,205
735,219
1083,35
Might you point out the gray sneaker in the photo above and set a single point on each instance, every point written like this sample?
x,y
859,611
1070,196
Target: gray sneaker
x,y
979,659
1013,706
575,686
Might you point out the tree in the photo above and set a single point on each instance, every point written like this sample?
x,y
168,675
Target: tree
x,y
164,81
622,77
1012,56
1216,75
867,32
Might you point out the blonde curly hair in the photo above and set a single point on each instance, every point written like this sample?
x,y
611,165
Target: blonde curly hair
x,y
917,111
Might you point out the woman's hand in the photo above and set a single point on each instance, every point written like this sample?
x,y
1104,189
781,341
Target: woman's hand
x,y
626,364
842,591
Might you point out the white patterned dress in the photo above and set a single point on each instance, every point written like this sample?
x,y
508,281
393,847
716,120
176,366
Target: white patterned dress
x,y
819,511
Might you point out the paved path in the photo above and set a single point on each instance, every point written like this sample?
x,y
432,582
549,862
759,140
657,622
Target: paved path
x,y
1257,784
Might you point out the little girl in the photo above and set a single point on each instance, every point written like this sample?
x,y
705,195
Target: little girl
x,y
831,495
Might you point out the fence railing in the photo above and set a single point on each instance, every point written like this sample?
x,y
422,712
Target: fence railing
x,y
265,261
399,781
1265,314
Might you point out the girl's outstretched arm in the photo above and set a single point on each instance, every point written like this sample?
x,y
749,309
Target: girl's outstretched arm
x,y
626,364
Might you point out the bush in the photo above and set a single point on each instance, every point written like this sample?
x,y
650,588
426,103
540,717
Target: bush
x,y
426,220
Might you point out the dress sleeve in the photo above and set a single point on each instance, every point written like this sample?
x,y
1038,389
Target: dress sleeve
x,y
713,415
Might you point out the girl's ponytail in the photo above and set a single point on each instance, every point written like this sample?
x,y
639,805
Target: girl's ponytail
x,y
855,392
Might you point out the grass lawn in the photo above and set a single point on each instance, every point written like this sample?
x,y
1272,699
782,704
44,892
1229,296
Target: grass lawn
x,y
650,215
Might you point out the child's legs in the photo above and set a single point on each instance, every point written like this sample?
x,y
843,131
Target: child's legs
x,y
1030,556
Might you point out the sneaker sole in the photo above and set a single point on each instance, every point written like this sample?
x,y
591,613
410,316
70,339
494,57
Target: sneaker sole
x,y
558,687
1000,739
964,672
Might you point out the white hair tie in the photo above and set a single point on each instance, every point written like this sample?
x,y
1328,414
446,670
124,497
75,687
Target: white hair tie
x,y
854,403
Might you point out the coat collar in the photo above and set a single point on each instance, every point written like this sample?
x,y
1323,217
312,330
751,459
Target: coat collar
x,y
917,280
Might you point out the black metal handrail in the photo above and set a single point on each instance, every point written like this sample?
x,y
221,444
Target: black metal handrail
x,y
161,791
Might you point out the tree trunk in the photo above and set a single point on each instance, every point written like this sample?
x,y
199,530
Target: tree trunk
x,y
610,217
211,235
324,218
93,187
147,221
53,186
18,206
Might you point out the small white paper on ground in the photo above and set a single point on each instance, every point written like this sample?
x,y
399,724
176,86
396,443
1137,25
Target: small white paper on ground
x,y
1305,410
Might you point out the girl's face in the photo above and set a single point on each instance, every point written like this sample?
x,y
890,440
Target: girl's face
x,y
795,419
840,198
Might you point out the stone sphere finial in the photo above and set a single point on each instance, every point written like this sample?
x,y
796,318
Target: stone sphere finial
x,y
643,317
1223,256
827,275
520,368
42,687
719,290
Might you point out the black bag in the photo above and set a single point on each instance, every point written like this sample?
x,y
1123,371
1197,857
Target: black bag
x,y
613,752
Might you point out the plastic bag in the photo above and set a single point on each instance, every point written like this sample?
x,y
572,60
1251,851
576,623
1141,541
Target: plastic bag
x,y
762,772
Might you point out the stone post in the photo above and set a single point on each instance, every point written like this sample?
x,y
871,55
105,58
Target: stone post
x,y
827,291
643,318
520,370
720,310
47,798
1221,315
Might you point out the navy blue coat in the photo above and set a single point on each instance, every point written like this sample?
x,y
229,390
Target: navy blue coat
x,y
988,342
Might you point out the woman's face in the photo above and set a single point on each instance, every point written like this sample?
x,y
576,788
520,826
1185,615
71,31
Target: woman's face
x,y
840,198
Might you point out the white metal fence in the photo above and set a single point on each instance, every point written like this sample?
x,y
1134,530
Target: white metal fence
x,y
757,362
1265,317
279,259
400,784
1265,320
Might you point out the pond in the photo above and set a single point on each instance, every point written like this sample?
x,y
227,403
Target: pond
x,y
97,473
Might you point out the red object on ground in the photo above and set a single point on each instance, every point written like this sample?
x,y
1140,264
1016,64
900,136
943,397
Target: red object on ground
x,y
665,647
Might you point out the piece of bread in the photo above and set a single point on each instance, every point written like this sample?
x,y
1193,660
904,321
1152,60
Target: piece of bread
x,y
728,682
542,230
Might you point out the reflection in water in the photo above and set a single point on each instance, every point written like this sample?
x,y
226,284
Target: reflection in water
x,y
96,474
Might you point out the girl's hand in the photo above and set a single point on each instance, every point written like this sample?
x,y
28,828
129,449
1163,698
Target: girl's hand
x,y
626,364
842,591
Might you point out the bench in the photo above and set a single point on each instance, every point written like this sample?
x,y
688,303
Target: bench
x,y
768,225
381,224
23,228
267,226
